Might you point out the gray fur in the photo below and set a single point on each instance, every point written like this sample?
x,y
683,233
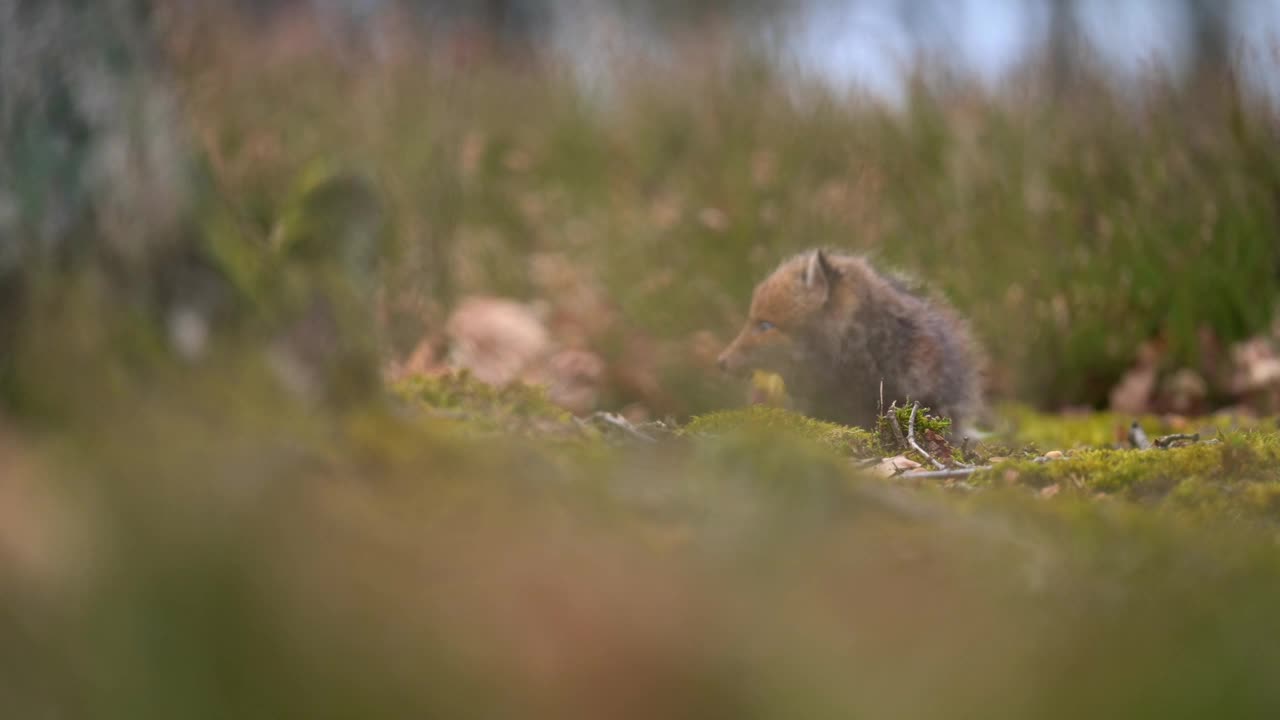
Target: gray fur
x,y
897,334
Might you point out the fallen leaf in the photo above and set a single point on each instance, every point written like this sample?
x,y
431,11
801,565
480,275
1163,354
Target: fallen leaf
x,y
937,446
497,339
1132,395
1184,392
890,467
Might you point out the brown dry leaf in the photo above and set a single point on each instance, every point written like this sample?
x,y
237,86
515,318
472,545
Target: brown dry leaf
x,y
890,467
1049,490
1132,395
937,446
497,339
574,379
1184,392
1255,366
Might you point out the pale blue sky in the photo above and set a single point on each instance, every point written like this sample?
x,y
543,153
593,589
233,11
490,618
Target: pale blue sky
x,y
862,42
865,42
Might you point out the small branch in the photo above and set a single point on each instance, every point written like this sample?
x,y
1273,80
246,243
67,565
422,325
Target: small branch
x,y
1168,440
892,415
623,424
952,473
911,438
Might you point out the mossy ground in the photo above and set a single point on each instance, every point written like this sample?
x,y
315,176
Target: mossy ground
x,y
787,426
1231,469
517,409
450,553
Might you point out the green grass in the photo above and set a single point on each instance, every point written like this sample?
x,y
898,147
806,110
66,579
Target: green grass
x,y
1069,229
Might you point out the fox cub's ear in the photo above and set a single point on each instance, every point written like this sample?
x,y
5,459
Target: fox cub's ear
x,y
818,273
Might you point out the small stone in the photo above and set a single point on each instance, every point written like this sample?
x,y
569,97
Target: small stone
x,y
1053,455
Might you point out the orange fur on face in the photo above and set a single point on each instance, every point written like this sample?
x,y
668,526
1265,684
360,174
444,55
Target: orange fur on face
x,y
786,303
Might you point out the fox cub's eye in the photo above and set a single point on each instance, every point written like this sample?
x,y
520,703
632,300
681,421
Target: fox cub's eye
x,y
764,326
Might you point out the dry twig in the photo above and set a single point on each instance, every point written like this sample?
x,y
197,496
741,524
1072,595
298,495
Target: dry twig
x,y
892,416
624,425
946,473
1167,441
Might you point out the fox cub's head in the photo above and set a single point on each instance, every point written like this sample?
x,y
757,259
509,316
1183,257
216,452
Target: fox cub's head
x,y
786,312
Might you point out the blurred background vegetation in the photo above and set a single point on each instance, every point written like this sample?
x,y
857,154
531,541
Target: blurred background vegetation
x,y
631,170
225,226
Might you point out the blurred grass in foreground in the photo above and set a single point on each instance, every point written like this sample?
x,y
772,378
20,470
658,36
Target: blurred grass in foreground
x,y
231,553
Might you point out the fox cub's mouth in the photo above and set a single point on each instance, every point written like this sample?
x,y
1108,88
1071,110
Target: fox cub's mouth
x,y
724,366
732,366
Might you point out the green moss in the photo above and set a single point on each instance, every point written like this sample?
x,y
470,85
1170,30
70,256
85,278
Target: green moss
x,y
851,441
1047,431
888,437
1238,475
461,398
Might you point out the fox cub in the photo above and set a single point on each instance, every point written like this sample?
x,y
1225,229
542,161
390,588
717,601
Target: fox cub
x,y
837,330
